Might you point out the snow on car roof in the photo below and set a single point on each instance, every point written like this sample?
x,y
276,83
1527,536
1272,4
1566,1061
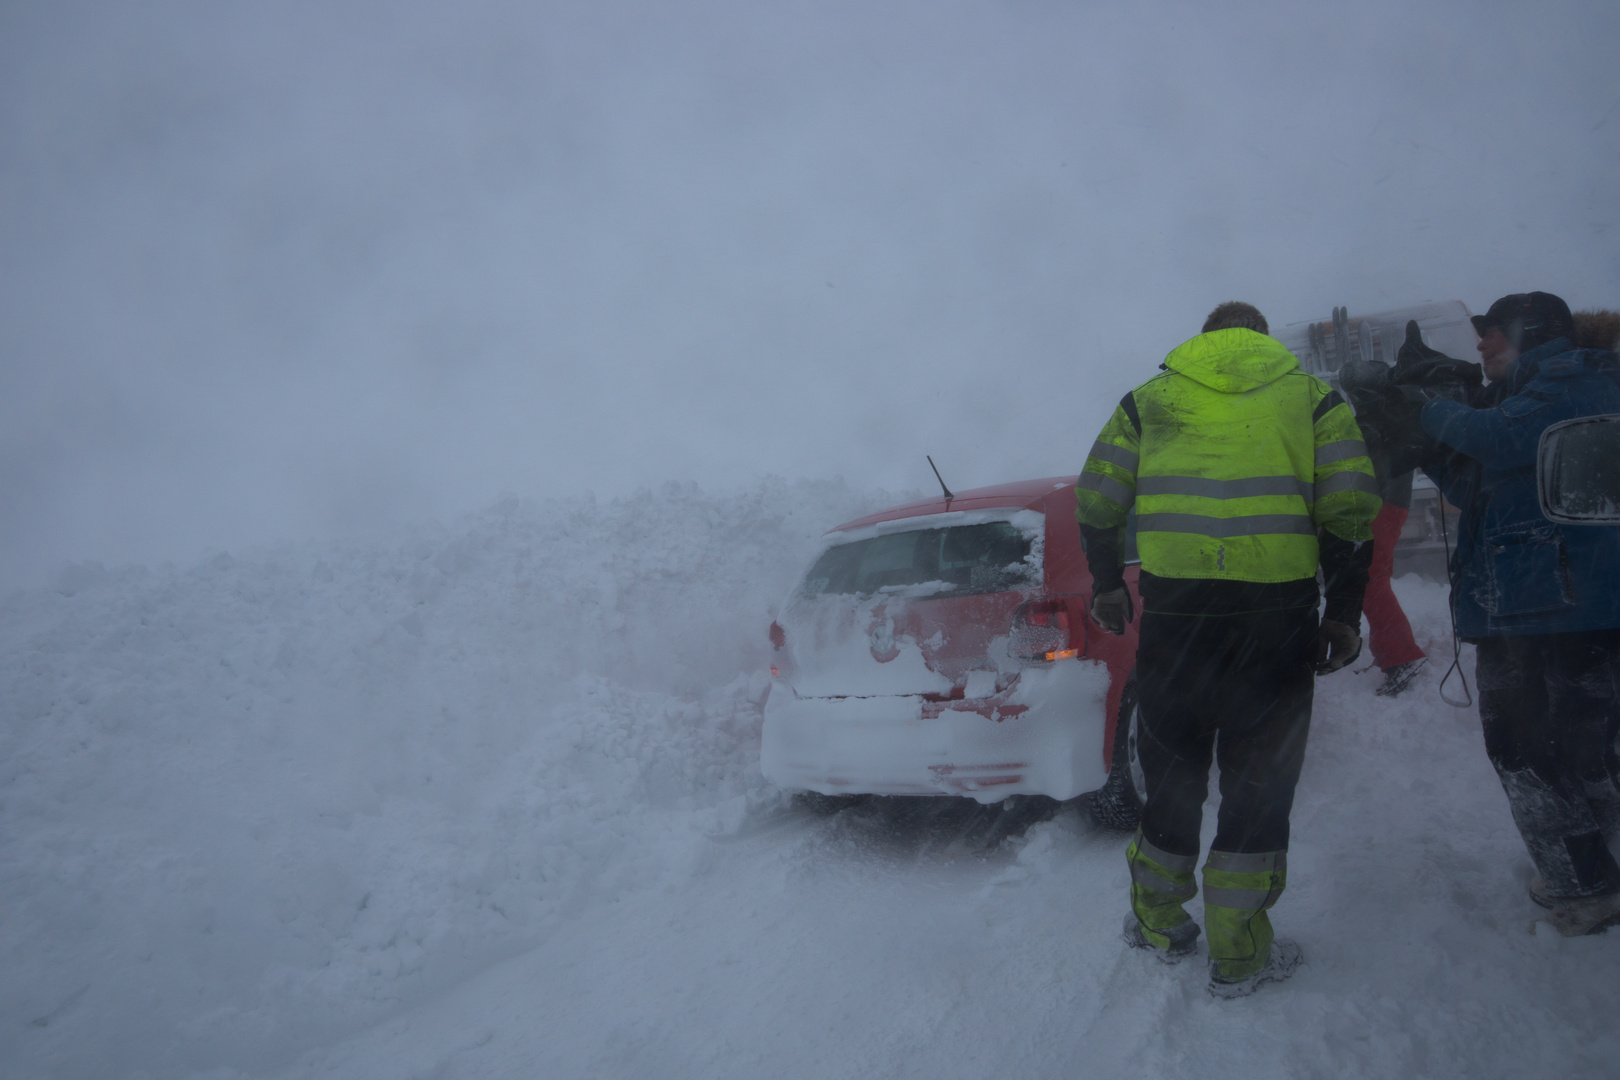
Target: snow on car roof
x,y
1020,495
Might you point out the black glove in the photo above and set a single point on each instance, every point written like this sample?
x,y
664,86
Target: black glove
x,y
1442,376
1111,610
1337,646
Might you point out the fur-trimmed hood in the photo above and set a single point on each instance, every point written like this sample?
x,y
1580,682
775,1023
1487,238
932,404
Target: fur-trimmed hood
x,y
1597,330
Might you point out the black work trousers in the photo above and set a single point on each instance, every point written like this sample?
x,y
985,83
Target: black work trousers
x,y
1551,713
1236,689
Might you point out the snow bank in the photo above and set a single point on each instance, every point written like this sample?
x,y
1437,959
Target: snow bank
x,y
269,798
853,948
485,803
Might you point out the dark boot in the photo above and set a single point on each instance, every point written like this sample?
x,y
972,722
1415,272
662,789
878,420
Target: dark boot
x,y
1285,957
1591,915
1183,940
1399,678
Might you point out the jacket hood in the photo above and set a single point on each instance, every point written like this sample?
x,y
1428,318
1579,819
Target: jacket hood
x,y
1232,361
1557,359
1596,330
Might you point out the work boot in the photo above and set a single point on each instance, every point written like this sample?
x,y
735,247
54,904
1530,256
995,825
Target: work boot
x,y
1577,917
1398,678
1285,957
1183,940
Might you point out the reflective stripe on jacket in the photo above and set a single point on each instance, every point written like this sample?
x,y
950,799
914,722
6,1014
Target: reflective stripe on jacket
x,y
1233,459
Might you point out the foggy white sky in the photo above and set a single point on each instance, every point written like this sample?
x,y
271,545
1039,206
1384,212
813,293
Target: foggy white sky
x,y
279,271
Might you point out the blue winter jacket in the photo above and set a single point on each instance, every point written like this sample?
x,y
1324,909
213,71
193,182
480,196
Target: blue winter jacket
x,y
1515,572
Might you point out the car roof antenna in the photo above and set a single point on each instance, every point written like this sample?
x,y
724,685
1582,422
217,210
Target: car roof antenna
x,y
941,479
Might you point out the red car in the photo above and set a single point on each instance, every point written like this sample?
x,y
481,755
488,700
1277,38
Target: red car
x,y
945,648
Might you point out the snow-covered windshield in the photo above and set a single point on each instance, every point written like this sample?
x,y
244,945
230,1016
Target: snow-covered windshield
x,y
987,557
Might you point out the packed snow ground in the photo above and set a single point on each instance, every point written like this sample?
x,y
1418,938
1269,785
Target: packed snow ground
x,y
486,803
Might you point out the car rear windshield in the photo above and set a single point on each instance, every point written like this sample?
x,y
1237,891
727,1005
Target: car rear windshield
x,y
992,557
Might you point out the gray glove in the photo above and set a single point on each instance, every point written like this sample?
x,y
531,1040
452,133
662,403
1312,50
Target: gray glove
x,y
1337,646
1113,609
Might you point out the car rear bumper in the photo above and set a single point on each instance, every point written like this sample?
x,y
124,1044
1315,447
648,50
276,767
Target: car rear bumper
x,y
1043,737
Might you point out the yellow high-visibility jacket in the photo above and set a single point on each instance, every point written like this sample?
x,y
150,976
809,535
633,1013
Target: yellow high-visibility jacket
x,y
1233,459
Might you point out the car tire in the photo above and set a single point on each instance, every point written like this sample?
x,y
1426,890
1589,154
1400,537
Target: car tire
x,y
1117,805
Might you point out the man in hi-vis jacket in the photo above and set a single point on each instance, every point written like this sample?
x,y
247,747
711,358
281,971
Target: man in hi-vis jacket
x,y
1245,474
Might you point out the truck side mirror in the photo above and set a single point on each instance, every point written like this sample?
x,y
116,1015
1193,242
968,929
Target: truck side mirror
x,y
1578,471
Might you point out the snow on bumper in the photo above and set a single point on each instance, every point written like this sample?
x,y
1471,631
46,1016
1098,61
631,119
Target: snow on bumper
x,y
1042,737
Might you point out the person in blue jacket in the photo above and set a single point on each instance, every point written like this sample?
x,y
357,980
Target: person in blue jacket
x,y
1539,600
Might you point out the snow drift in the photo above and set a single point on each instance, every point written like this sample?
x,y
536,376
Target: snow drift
x,y
485,802
264,799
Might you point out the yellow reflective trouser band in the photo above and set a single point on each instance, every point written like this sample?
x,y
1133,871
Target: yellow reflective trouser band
x,y
1160,884
1238,888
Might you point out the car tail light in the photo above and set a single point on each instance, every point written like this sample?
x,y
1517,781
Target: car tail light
x,y
1042,631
